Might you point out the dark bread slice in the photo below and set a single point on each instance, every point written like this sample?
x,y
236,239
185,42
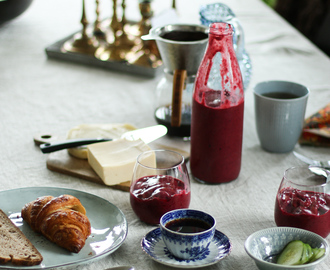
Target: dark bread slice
x,y
14,246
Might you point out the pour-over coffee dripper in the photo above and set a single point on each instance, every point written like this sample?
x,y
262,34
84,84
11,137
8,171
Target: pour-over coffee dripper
x,y
181,47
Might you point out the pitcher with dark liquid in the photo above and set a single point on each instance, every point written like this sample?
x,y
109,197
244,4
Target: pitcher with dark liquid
x,y
182,48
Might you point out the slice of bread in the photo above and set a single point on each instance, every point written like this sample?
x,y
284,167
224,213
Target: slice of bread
x,y
14,246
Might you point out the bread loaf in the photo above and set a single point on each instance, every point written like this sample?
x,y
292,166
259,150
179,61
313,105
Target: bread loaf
x,y
14,246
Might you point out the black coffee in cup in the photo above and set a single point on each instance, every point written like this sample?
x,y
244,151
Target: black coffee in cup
x,y
180,35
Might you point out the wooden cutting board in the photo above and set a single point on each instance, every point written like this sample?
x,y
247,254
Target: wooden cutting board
x,y
64,163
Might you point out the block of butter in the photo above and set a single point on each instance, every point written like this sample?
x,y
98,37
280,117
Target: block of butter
x,y
113,131
114,161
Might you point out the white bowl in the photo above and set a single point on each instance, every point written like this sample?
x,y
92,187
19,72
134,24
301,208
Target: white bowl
x,y
264,245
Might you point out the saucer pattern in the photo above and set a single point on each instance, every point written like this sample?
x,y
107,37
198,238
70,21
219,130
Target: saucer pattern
x,y
202,256
153,245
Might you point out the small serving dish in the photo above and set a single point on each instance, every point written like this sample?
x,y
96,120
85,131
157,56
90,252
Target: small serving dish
x,y
264,246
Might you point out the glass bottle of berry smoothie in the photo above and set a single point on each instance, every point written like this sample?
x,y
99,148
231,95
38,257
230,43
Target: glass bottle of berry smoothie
x,y
217,111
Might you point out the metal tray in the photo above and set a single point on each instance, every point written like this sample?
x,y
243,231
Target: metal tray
x,y
54,51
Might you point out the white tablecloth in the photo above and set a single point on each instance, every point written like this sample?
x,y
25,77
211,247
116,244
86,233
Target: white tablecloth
x,y
40,95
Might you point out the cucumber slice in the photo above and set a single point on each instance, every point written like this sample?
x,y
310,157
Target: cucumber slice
x,y
292,253
307,254
317,254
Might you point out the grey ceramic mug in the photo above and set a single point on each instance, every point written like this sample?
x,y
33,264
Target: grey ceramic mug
x,y
279,112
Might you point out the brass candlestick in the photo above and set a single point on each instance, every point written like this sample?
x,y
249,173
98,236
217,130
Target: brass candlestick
x,y
115,24
118,40
146,13
98,32
122,43
147,53
125,41
81,42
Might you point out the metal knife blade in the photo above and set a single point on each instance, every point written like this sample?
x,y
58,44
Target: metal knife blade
x,y
147,135
323,164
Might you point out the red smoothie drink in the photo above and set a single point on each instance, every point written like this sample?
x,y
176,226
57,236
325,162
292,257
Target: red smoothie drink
x,y
216,146
303,209
154,195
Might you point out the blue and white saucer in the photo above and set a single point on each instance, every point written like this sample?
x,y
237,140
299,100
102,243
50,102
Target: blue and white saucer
x,y
153,245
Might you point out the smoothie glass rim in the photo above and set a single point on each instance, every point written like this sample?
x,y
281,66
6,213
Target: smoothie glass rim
x,y
296,184
158,151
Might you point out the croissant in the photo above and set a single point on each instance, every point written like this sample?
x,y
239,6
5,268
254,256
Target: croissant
x,y
61,219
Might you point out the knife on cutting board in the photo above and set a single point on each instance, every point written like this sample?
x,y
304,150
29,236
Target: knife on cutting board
x,y
147,135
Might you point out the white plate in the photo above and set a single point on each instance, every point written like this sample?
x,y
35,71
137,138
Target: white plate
x,y
109,227
153,245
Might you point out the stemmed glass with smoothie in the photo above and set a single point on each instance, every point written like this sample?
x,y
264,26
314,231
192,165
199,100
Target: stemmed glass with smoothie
x,y
303,200
160,184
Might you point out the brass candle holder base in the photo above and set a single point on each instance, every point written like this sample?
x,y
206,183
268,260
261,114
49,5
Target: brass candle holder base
x,y
145,54
145,58
81,44
119,49
111,52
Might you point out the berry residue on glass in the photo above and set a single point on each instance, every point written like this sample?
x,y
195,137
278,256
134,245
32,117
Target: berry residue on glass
x,y
154,195
188,225
217,111
303,209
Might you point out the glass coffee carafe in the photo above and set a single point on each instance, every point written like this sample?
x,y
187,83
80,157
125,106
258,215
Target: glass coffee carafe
x,y
181,47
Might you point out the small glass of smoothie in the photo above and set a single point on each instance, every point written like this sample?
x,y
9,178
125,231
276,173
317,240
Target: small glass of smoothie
x,y
303,200
160,184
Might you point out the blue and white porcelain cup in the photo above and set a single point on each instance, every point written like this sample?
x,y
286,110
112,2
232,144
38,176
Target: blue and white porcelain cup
x,y
187,245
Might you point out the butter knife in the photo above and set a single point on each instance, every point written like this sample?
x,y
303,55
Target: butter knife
x,y
323,164
147,135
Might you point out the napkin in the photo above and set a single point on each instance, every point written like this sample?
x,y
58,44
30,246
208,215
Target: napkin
x,y
316,129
